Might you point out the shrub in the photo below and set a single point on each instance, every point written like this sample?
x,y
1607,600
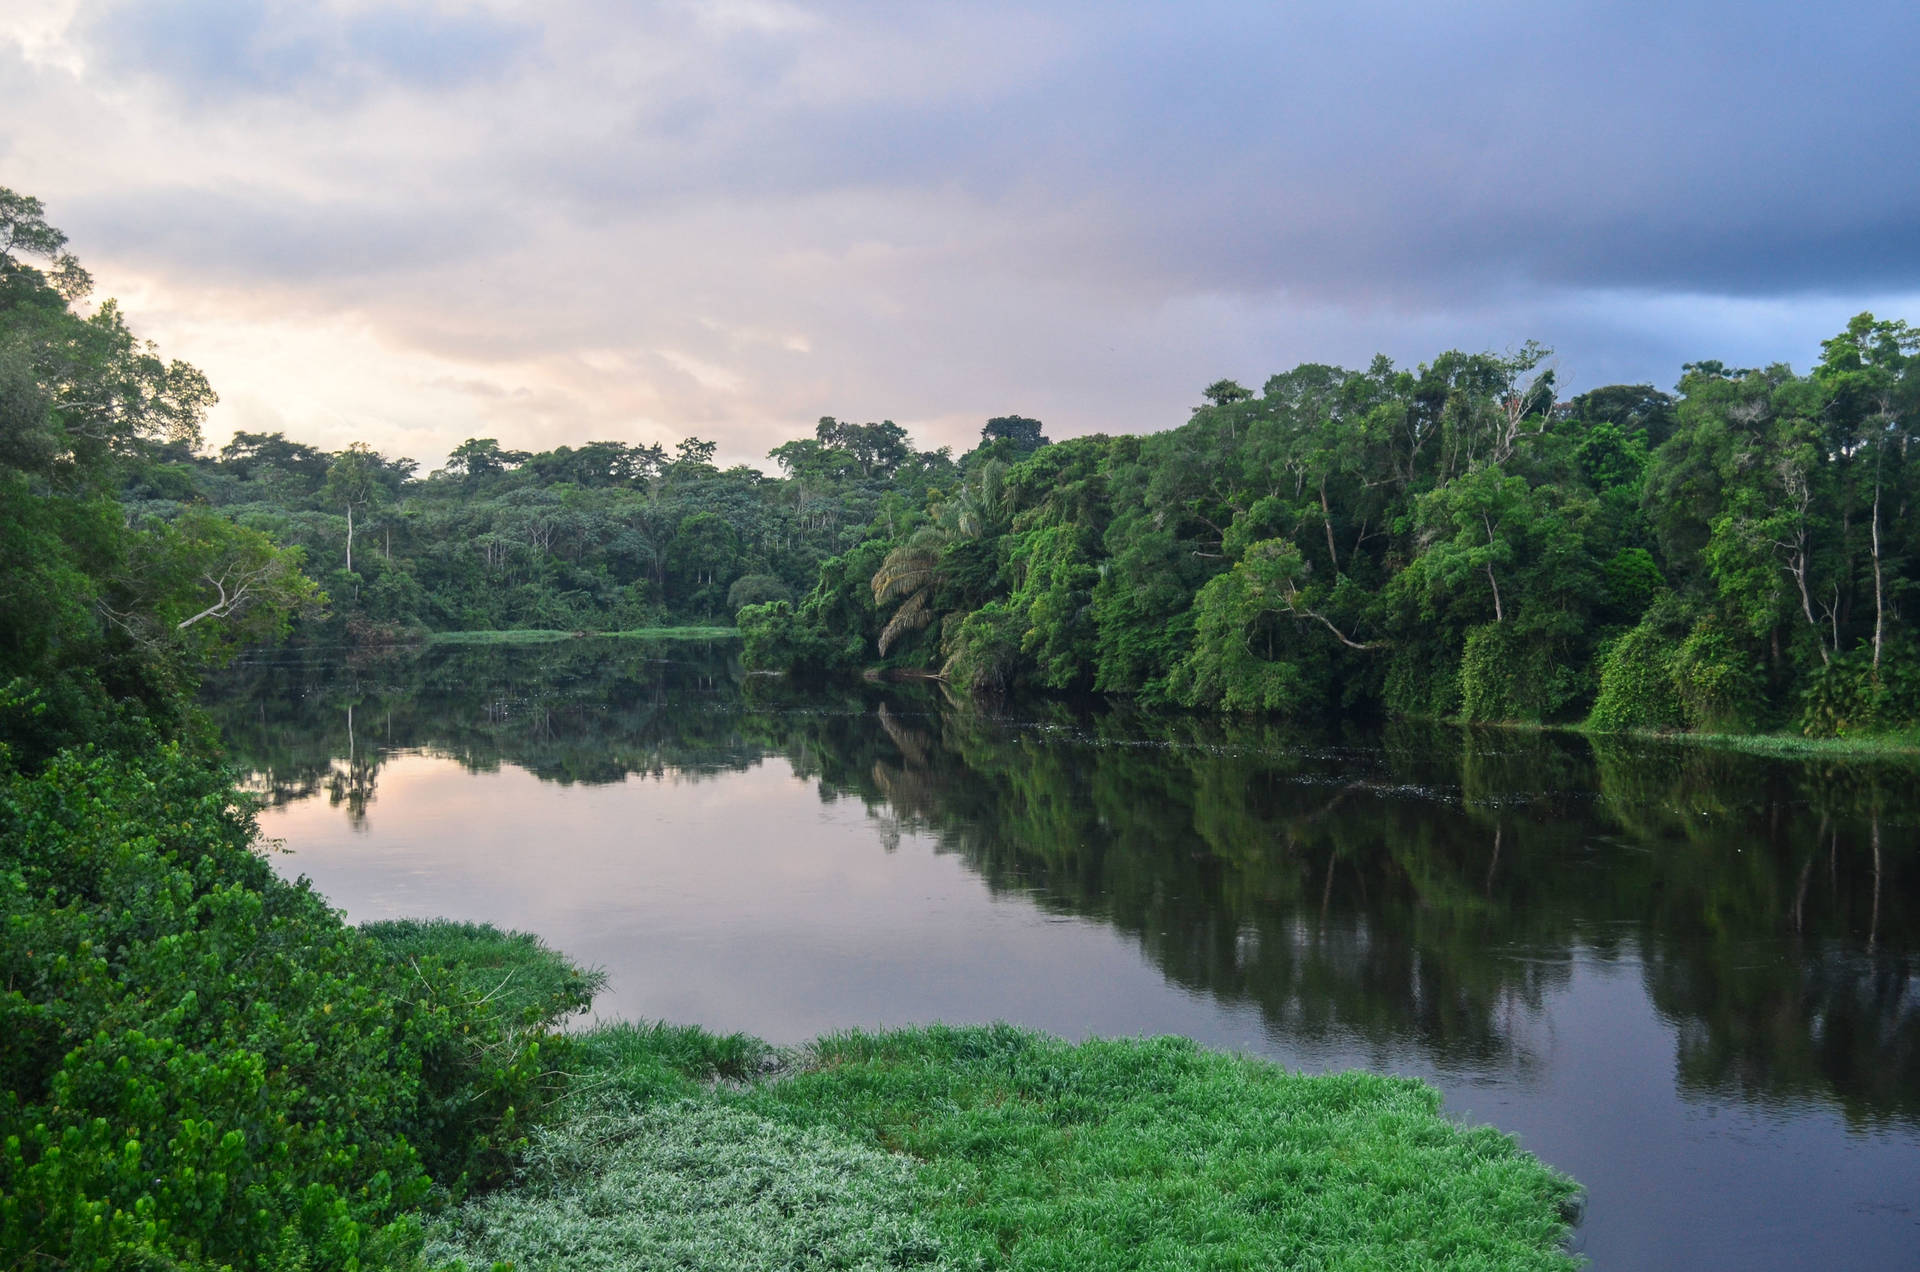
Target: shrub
x,y
1849,697
757,589
982,649
203,1065
1636,684
1510,674
1717,681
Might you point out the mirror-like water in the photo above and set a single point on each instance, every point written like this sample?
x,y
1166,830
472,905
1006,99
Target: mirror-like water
x,y
1686,977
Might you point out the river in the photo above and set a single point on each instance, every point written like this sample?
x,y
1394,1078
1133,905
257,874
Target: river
x,y
1684,976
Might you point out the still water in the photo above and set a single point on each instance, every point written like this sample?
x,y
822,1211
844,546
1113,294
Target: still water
x,y
1685,977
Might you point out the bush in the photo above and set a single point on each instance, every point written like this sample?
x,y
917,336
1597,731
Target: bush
x,y
1508,674
1422,680
1636,684
1848,697
982,650
203,1065
1717,681
757,589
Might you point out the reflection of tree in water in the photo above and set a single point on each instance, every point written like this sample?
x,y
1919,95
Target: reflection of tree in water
x,y
580,712
1418,885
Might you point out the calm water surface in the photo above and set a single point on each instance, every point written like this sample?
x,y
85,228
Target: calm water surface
x,y
1685,977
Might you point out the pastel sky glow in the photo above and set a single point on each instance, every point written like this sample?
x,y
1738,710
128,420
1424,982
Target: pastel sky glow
x,y
409,222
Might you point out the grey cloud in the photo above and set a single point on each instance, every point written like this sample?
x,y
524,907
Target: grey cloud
x,y
1701,146
219,48
1081,211
255,236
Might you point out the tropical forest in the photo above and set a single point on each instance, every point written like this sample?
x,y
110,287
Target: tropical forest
x,y
1205,712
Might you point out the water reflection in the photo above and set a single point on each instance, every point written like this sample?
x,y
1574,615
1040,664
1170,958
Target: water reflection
x,y
1413,886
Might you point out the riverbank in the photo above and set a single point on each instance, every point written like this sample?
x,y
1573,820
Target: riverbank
x,y
984,1147
1780,746
545,636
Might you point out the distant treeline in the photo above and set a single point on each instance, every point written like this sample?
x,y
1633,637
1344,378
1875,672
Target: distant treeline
x,y
603,536
1450,541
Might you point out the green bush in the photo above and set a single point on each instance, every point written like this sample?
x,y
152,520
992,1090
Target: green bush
x,y
1718,681
982,649
1636,684
1849,697
1508,674
757,589
202,1065
1422,680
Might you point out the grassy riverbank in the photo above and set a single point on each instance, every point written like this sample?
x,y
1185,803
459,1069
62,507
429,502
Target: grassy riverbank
x,y
985,1147
1784,746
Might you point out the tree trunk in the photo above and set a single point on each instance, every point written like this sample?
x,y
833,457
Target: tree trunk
x,y
1879,604
1326,519
1499,615
349,536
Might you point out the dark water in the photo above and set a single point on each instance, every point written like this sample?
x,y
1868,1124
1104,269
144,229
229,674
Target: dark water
x,y
1686,977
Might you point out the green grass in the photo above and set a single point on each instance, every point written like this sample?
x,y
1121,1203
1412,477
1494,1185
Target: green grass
x,y
1787,746
547,635
515,972
1793,746
996,1147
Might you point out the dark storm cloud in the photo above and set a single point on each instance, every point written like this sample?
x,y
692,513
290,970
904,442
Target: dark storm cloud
x,y
1750,148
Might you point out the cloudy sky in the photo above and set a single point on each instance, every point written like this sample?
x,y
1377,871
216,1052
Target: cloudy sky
x,y
409,222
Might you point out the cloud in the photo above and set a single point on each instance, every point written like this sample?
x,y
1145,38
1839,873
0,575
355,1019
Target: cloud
x,y
645,219
217,49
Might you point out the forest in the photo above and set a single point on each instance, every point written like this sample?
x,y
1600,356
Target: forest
x,y
1452,540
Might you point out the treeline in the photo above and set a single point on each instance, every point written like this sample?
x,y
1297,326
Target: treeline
x,y
1451,541
604,536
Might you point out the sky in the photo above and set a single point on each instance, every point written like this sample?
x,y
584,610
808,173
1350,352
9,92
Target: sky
x,y
412,222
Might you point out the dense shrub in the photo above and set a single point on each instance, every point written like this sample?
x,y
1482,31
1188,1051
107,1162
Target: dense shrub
x,y
1504,675
1718,681
983,649
757,589
202,1065
1851,697
1422,680
1636,684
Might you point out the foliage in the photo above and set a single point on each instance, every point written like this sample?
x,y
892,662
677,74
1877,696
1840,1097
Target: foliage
x,y
204,1065
1851,697
106,613
1717,681
1444,541
1636,684
995,1147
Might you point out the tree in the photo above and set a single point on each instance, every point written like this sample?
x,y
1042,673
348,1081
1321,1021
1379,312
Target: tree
x,y
1873,370
1023,433
353,481
211,586
479,457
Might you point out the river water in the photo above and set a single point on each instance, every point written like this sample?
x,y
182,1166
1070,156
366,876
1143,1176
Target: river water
x,y
1683,976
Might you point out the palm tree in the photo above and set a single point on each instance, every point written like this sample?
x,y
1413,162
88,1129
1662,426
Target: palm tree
x,y
916,568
